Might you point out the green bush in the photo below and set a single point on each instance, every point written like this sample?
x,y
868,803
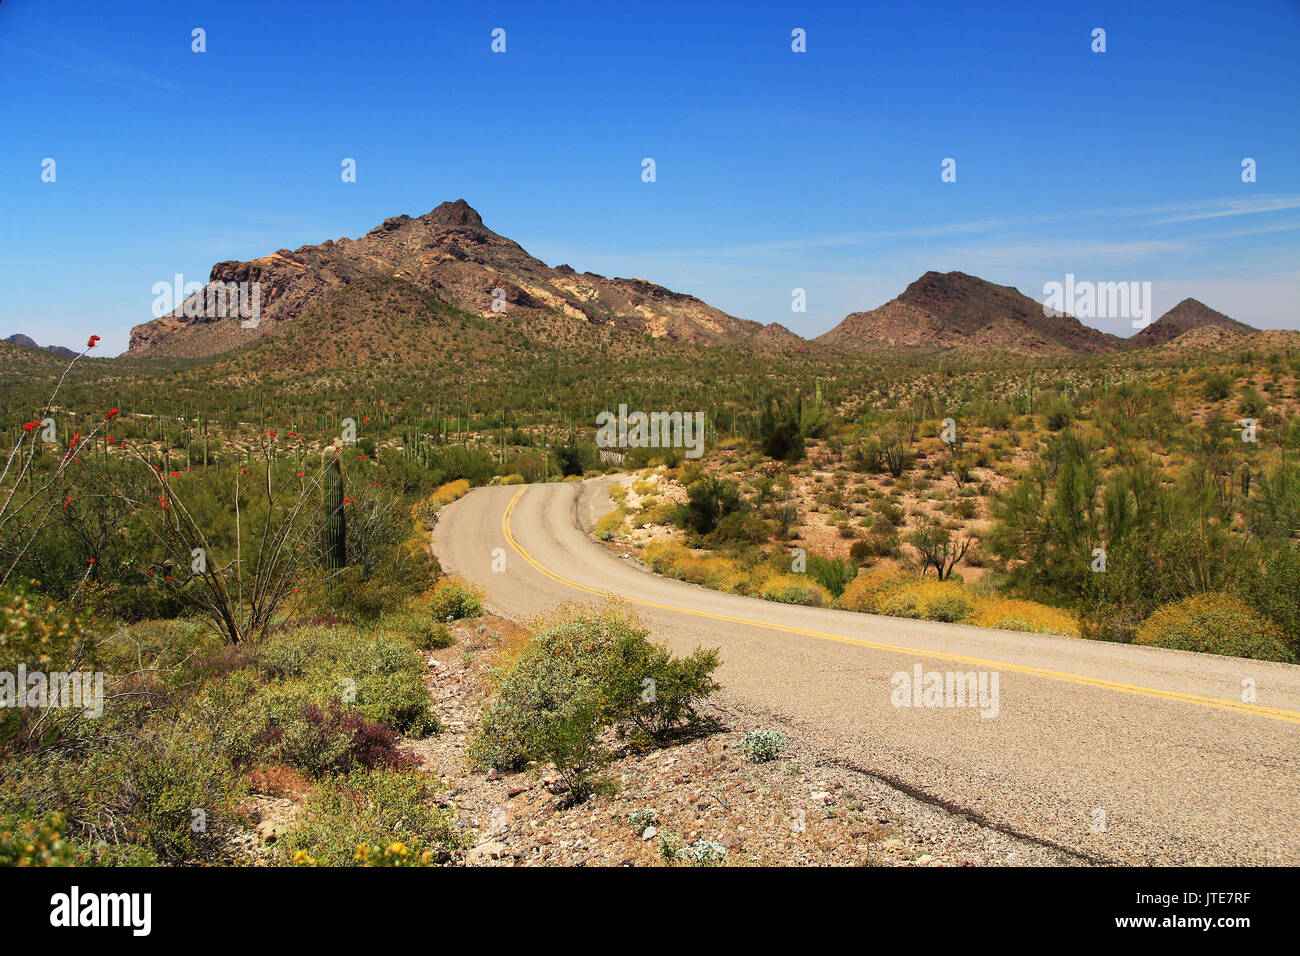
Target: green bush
x,y
174,782
834,574
709,500
325,699
949,608
455,598
422,630
1216,386
585,670
762,746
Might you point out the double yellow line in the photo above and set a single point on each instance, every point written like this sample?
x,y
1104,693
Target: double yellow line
x,y
1290,716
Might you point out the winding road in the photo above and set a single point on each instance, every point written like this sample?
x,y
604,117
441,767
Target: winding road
x,y
1112,753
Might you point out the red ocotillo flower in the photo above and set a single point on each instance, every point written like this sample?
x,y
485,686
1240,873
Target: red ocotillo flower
x,y
30,425
353,500
111,413
174,474
94,340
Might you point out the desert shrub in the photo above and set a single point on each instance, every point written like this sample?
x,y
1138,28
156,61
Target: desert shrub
x,y
796,589
1059,413
170,774
664,554
332,739
1216,386
834,574
455,598
609,525
373,817
659,691
583,671
356,596
709,500
1214,624
703,853
882,541
866,592
741,529
37,842
1268,584
446,494
778,431
949,608
327,699
762,746
431,635
641,818
663,512
1010,614
890,511
475,465
902,602
1251,404
420,628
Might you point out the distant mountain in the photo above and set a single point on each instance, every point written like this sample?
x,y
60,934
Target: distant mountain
x,y
450,253
942,311
1185,316
26,340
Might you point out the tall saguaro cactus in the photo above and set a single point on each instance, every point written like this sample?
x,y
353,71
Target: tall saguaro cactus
x,y
335,549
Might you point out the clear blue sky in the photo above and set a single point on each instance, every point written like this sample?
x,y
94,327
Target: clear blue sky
x,y
775,170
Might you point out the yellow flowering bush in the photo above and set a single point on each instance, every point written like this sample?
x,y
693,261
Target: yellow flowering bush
x,y
1214,624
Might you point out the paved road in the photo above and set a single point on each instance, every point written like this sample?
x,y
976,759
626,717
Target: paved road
x,y
1113,752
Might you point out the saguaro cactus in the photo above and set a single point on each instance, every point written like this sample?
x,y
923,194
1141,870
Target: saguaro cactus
x,y
335,549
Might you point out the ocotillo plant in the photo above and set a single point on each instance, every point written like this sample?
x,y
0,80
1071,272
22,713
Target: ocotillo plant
x,y
334,550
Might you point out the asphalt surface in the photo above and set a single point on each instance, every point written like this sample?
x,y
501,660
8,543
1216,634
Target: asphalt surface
x,y
1114,753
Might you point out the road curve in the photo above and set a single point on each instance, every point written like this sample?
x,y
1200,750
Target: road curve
x,y
1115,753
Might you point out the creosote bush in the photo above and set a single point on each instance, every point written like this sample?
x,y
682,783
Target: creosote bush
x,y
585,670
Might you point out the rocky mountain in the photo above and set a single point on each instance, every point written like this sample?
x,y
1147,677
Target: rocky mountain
x,y
27,341
942,311
1184,317
452,254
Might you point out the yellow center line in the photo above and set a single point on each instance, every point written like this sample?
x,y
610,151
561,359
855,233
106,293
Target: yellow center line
x,y
1276,713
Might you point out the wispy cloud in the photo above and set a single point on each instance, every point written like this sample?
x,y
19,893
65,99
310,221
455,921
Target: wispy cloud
x,y
1157,215
89,64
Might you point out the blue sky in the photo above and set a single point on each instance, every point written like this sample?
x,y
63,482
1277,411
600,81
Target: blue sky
x,y
775,170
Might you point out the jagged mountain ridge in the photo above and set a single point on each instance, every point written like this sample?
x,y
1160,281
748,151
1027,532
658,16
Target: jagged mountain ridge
x,y
451,253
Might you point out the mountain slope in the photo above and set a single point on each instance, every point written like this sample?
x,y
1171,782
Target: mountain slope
x,y
452,254
28,342
1185,316
954,310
